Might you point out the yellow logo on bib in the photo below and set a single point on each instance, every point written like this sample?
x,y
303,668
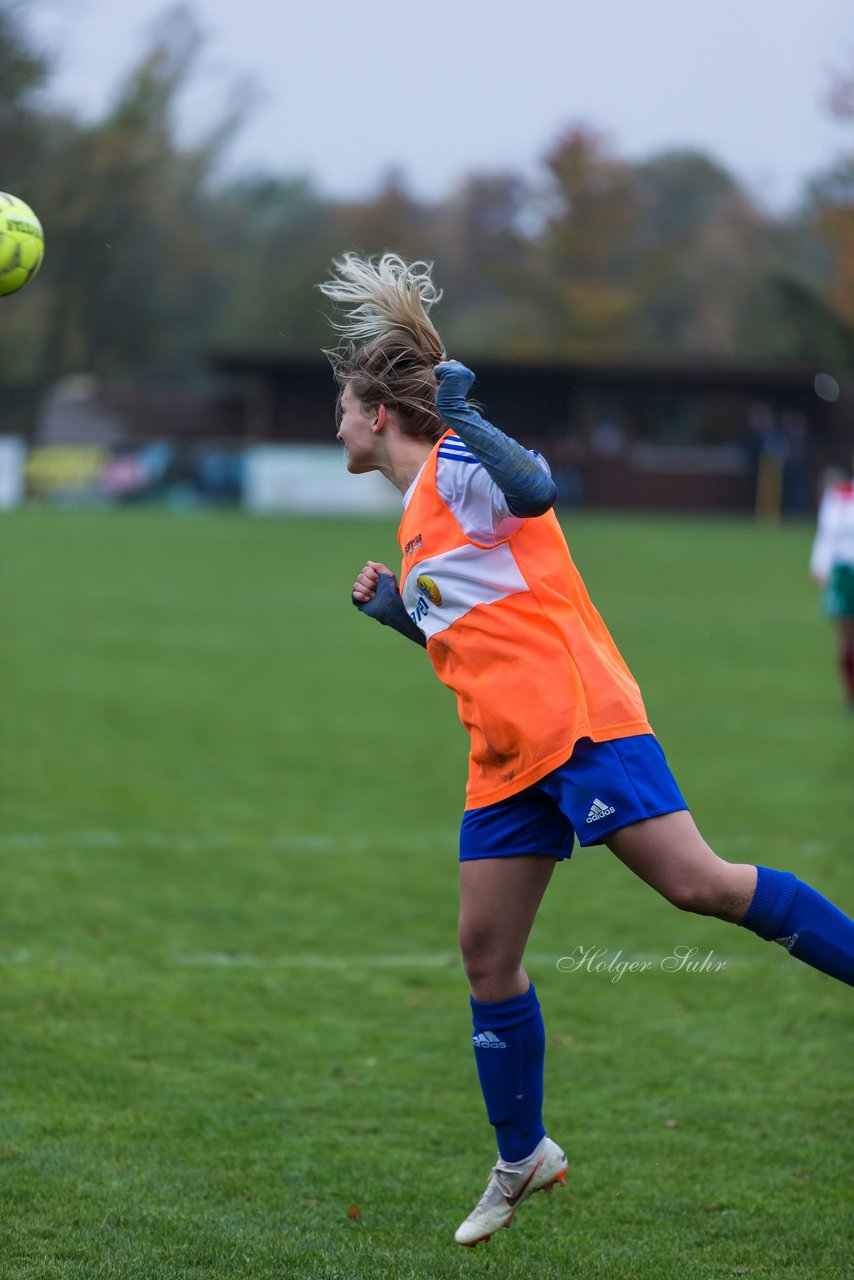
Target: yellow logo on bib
x,y
428,586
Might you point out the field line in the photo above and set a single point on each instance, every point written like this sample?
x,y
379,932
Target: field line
x,y
204,842
278,841
345,962
321,960
439,960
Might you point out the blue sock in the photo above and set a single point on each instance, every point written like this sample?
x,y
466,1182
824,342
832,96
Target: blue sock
x,y
509,1049
786,910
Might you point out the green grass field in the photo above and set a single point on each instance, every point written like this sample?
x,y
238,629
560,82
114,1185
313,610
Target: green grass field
x,y
231,1007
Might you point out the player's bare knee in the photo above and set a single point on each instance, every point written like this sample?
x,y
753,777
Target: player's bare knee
x,y
484,958
701,896
481,979
697,897
480,965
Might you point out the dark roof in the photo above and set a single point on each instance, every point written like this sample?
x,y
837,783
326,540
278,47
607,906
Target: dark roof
x,y
689,370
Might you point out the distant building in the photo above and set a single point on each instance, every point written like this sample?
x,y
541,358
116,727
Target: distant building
x,y
663,434
667,434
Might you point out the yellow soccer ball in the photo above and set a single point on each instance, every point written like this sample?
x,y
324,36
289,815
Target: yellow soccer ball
x,y
21,243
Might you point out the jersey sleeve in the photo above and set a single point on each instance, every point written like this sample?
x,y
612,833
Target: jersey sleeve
x,y
472,496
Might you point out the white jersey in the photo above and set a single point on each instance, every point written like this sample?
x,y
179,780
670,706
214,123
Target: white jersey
x,y
834,539
471,495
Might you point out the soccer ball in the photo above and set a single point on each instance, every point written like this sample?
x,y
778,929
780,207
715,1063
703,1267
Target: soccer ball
x,y
21,243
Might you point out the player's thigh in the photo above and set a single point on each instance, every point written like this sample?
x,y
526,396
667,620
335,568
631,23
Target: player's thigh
x,y
670,854
499,899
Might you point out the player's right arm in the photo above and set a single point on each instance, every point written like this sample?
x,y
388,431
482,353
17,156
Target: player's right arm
x,y
376,593
528,487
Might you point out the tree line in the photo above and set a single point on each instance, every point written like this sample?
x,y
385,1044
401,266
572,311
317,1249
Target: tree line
x,y
154,258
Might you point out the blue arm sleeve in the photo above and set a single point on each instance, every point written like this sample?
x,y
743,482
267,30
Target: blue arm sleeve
x,y
388,608
528,489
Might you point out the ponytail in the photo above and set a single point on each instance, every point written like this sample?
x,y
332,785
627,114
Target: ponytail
x,y
389,345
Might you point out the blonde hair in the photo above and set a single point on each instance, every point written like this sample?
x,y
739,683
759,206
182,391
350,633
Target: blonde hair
x,y
389,345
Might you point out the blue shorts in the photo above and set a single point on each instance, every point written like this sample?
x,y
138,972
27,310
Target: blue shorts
x,y
602,786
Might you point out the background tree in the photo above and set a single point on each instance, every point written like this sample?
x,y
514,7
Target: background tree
x,y
578,275
23,75
26,130
133,249
815,289
699,254
155,255
277,239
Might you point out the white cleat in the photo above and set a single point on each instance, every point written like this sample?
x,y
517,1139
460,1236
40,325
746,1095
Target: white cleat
x,y
507,1188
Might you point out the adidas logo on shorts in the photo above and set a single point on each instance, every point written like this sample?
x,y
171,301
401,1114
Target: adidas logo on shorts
x,y
598,810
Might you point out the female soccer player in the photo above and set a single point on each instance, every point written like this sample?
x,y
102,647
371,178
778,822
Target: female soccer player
x,y
832,566
560,743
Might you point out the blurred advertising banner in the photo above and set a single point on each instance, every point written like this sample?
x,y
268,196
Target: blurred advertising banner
x,y
312,480
266,479
12,455
64,473
179,475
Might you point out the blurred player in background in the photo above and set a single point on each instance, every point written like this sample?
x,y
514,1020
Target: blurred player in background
x,y
832,566
561,747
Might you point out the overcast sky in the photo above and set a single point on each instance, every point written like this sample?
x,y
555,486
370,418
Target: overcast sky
x,y
348,89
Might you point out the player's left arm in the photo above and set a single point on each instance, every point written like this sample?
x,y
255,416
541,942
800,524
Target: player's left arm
x,y
377,595
529,490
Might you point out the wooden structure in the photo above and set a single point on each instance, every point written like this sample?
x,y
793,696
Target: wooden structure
x,y
644,433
